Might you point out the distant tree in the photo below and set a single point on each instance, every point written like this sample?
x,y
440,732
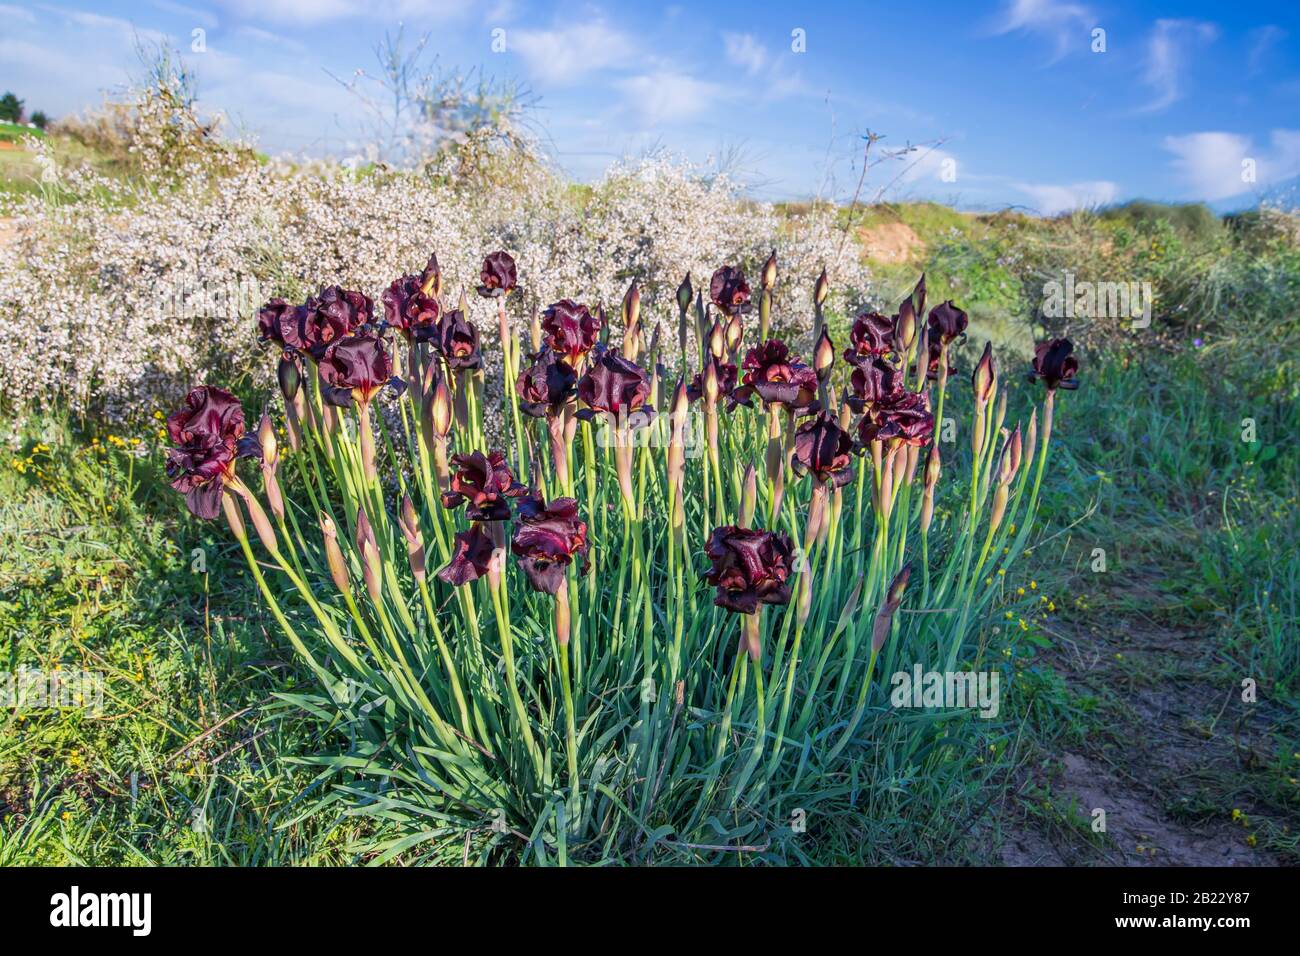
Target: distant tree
x,y
416,112
11,108
40,120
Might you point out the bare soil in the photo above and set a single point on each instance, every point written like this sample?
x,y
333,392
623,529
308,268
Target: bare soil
x,y
1170,755
891,242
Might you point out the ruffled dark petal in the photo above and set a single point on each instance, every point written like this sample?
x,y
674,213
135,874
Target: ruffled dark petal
x,y
204,501
358,364
1055,364
485,482
822,447
498,275
409,309
749,567
614,385
470,559
547,385
872,336
571,330
729,291
542,574
456,340
947,322
208,435
548,539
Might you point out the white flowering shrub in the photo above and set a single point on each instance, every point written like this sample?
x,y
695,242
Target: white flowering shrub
x,y
117,296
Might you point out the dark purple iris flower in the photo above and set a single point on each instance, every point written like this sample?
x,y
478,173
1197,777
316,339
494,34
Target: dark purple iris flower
x,y
872,336
547,385
729,291
947,323
778,378
1055,365
411,310
571,331
471,557
616,387
728,376
456,340
548,539
355,368
906,419
825,449
750,567
207,435
498,275
486,482
874,382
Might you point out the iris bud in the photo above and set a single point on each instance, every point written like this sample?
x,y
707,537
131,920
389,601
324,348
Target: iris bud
x,y
768,278
824,356
684,293
821,289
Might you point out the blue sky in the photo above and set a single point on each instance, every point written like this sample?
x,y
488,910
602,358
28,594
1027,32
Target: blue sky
x,y
1009,101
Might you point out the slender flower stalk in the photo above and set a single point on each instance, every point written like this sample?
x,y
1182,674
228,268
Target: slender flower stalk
x,y
520,653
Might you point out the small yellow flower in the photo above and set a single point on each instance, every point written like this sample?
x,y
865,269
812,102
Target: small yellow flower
x,y
1023,625
1002,572
65,816
1020,591
1010,615
1051,605
1033,585
1251,840
158,416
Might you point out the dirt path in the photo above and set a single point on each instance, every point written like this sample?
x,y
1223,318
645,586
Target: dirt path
x,y
1167,748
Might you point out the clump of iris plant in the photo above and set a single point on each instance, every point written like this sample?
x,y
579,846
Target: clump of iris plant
x,y
658,604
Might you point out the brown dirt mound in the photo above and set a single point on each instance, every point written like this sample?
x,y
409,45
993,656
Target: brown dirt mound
x,y
891,242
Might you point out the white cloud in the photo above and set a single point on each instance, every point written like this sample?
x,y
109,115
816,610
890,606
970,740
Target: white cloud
x,y
1262,40
1210,164
16,13
562,56
306,12
775,77
1066,25
744,50
1051,199
201,17
1167,49
665,96
927,164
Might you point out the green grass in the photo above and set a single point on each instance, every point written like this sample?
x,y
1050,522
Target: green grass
x,y
13,132
1201,590
21,176
184,764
